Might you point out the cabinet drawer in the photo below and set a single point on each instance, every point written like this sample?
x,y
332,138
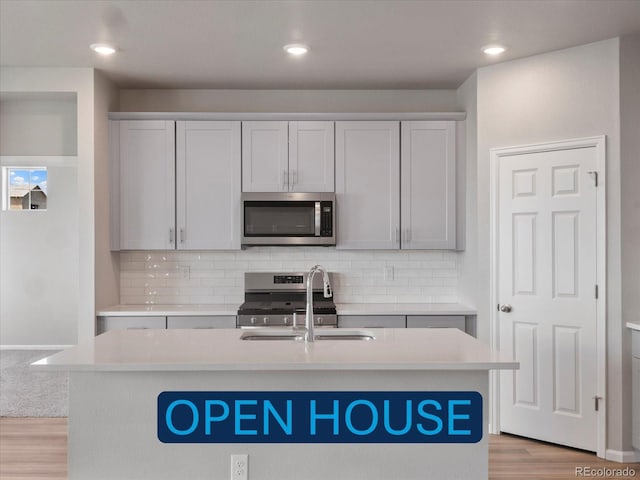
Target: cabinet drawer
x,y
635,343
201,322
372,321
130,323
436,321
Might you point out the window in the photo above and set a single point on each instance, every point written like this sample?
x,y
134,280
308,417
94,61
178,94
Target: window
x,y
24,188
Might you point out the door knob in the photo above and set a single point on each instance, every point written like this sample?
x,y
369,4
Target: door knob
x,y
506,308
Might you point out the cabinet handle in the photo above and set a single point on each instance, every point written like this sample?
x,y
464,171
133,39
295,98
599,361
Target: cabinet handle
x,y
284,180
295,177
397,235
171,238
183,237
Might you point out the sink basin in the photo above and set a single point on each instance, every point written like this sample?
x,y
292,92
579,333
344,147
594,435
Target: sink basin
x,y
344,335
270,334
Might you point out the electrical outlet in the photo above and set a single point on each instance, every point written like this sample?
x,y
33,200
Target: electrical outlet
x,y
185,271
240,467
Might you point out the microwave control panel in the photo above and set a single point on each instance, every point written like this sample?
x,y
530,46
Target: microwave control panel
x,y
326,219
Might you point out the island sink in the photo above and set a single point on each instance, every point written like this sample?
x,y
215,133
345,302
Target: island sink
x,y
271,334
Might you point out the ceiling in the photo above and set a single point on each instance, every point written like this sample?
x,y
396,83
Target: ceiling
x,y
363,44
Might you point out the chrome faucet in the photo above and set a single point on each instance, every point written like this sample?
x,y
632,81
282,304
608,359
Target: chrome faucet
x,y
309,335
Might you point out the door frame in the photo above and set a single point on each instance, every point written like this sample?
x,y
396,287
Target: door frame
x,y
599,143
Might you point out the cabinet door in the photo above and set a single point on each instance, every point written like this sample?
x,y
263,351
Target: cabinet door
x,y
265,152
147,185
428,168
371,321
201,321
130,323
436,321
311,157
368,185
208,185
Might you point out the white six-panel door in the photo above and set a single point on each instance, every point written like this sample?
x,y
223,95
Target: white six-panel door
x,y
547,278
208,185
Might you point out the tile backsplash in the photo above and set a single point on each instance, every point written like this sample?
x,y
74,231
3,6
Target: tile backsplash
x,y
172,278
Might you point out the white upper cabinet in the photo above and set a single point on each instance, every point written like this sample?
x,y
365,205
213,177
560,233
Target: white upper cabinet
x,y
265,151
428,186
208,185
368,185
147,184
377,206
287,156
311,157
179,184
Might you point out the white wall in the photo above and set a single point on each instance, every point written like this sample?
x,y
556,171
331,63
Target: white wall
x,y
566,94
39,258
68,254
320,101
630,198
468,259
42,123
107,263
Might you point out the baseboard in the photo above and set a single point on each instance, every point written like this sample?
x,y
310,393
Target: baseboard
x,y
620,456
35,347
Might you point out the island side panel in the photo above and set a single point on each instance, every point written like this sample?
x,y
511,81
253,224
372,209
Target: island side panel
x,y
113,429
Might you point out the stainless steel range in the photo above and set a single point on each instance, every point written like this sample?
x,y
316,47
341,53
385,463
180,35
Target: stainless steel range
x,y
271,299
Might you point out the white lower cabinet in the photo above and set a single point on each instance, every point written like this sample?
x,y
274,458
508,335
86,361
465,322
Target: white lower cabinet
x,y
461,322
134,322
372,321
130,323
635,368
204,322
436,321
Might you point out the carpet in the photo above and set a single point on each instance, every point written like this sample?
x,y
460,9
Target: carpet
x,y
26,392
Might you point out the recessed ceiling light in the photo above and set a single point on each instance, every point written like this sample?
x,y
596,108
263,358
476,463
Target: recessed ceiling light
x,y
102,48
493,49
296,49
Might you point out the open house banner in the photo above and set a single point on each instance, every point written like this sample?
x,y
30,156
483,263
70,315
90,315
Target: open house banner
x,y
319,417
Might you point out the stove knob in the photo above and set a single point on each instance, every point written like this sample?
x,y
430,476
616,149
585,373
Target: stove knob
x,y
319,320
253,320
286,320
265,320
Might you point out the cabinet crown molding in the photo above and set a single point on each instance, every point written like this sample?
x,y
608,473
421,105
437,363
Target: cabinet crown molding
x,y
458,116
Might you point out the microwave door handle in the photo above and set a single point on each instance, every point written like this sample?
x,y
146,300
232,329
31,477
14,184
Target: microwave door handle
x,y
317,230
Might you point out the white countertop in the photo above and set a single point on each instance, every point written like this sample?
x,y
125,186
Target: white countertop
x,y
342,309
167,310
404,309
222,350
633,326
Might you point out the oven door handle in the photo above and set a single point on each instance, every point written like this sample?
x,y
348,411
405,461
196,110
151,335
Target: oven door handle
x,y
317,229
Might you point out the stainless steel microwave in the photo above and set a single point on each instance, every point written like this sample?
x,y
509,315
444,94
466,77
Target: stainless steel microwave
x,y
288,219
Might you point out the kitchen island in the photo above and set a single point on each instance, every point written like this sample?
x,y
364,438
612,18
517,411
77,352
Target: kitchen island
x,y
117,381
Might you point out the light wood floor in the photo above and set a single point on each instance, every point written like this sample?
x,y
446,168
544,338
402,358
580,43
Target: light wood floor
x,y
36,449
